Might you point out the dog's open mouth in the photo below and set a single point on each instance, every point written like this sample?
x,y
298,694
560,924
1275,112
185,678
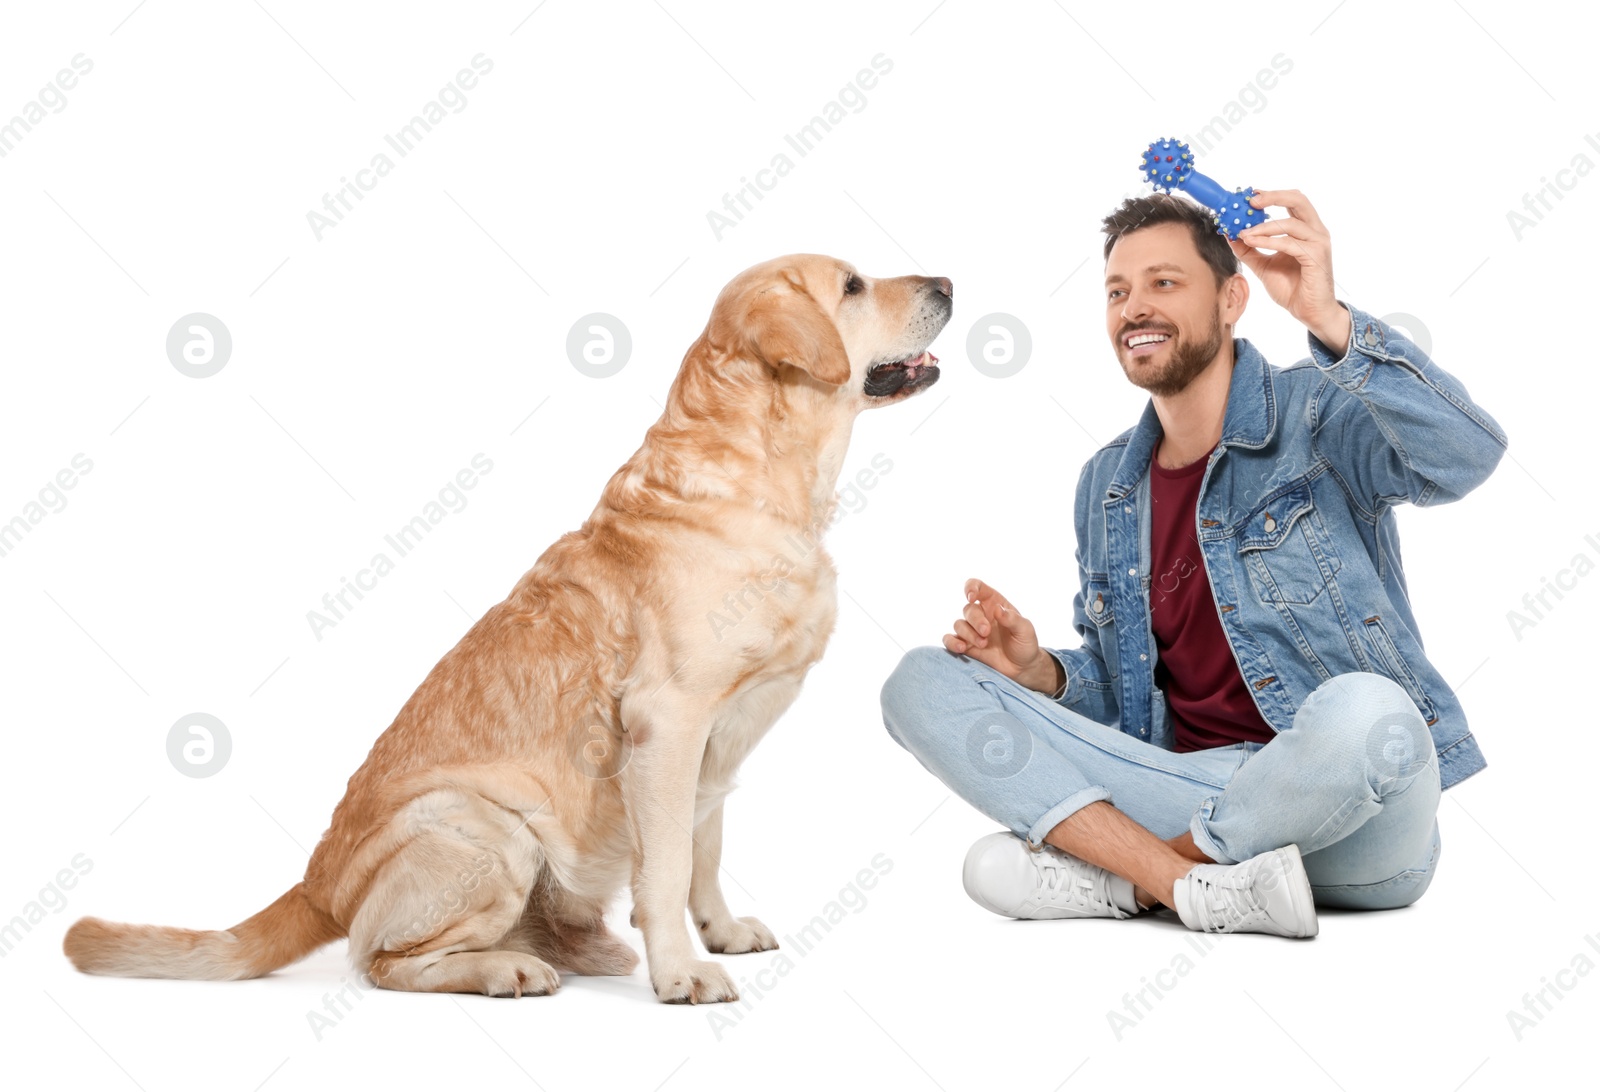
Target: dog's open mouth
x,y
894,377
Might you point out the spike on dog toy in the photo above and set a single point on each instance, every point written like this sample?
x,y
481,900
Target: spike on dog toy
x,y
1169,165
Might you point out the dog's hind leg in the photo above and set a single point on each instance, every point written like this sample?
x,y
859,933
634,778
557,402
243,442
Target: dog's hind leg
x,y
570,934
437,913
496,973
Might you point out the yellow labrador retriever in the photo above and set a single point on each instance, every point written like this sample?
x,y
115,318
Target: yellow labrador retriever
x,y
585,731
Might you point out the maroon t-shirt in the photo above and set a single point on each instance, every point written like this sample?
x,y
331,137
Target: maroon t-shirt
x,y
1210,705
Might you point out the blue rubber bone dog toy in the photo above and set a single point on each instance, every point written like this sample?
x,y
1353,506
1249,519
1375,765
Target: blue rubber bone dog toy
x,y
1169,165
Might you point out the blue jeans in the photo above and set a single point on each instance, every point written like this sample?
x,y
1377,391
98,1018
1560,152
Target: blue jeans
x,y
1354,781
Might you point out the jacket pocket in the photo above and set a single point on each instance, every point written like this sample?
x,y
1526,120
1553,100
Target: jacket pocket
x,y
1097,605
1286,549
1395,667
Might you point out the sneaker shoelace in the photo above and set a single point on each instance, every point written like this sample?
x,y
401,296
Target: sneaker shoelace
x,y
1225,905
1064,882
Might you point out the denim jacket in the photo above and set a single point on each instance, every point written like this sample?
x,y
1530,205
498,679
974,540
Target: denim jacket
x,y
1295,534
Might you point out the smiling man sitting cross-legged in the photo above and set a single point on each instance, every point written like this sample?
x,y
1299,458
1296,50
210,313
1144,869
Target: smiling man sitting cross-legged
x,y
1251,685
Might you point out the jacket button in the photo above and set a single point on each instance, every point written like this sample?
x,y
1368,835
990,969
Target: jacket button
x,y
1133,572
1098,605
1127,508
1271,525
1142,656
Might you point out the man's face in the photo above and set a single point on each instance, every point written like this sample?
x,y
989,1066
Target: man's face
x,y
1162,297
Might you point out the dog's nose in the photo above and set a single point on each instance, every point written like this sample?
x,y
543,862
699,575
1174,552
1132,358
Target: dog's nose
x,y
944,286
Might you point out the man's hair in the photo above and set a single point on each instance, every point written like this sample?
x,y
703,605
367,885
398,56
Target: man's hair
x,y
1165,208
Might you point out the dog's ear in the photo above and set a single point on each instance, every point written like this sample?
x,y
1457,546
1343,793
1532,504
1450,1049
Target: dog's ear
x,y
787,326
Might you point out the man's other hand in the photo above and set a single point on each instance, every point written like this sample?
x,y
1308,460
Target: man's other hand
x,y
992,632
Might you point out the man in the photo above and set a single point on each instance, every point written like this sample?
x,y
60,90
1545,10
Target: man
x,y
1250,727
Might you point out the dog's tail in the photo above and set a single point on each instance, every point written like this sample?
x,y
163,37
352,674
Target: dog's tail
x,y
290,929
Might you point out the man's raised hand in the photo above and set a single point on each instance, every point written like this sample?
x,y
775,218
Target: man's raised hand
x,y
1299,275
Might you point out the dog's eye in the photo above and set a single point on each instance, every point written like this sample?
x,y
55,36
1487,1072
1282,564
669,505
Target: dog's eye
x,y
853,285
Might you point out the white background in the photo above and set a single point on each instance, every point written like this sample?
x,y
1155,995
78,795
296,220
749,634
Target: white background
x,y
370,366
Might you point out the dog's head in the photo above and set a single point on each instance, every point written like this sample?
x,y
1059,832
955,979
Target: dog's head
x,y
816,321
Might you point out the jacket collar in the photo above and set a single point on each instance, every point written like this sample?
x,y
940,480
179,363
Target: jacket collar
x,y
1249,420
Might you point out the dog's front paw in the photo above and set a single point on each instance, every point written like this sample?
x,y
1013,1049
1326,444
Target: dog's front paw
x,y
696,982
733,936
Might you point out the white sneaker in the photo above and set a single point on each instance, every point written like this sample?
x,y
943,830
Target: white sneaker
x,y
1004,876
1269,893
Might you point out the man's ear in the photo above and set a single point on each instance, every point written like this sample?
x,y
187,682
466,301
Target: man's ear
x,y
1236,295
789,327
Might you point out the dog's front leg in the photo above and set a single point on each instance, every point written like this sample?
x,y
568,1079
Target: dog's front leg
x,y
720,931
659,788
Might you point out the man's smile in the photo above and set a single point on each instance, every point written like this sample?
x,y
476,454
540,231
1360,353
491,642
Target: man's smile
x,y
1140,343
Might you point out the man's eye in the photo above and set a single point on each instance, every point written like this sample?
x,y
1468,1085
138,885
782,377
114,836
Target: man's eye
x,y
1165,280
853,285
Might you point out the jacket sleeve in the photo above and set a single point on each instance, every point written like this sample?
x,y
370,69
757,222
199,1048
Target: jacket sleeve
x,y
1090,690
1408,430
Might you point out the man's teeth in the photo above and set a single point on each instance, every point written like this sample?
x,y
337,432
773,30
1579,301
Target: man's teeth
x,y
1145,339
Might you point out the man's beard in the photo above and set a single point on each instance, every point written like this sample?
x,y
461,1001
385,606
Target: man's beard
x,y
1188,359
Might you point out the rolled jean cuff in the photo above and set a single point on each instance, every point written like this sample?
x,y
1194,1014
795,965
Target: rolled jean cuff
x,y
1202,837
1071,804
